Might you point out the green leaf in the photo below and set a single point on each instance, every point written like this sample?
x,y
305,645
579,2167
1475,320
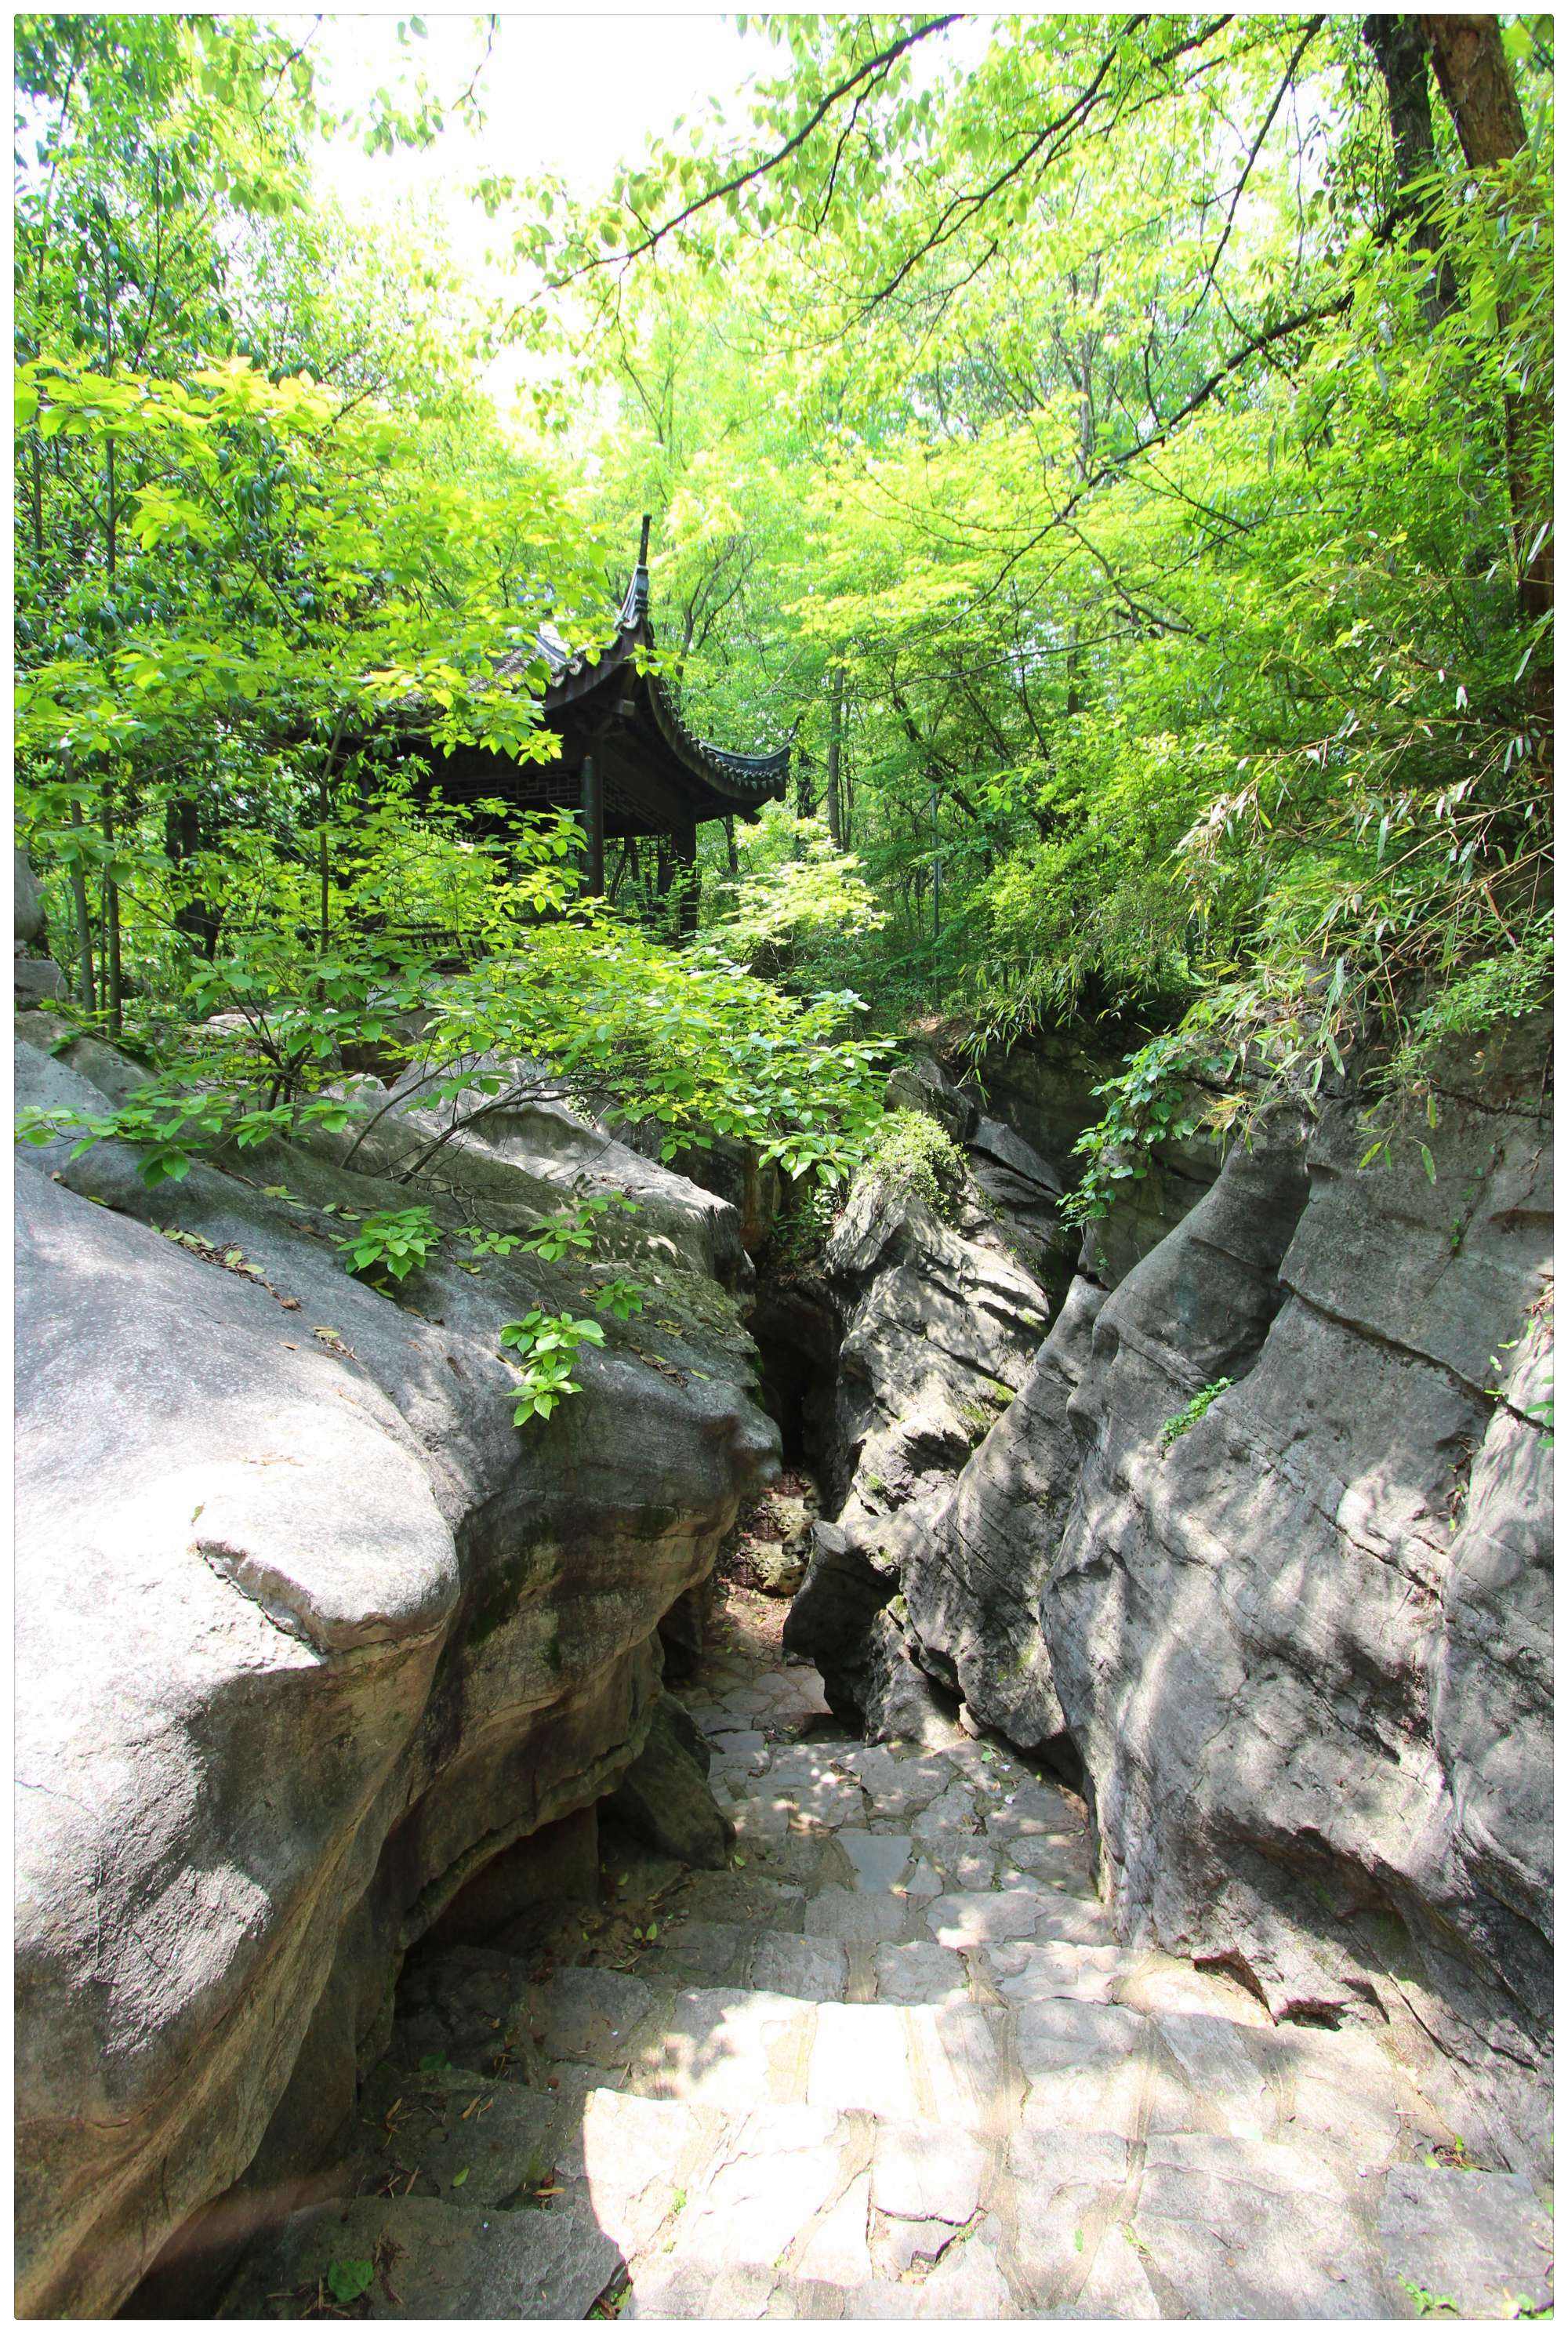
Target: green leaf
x,y
347,2279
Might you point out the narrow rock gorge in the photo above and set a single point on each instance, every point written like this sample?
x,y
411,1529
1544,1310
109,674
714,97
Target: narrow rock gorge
x,y
1175,1830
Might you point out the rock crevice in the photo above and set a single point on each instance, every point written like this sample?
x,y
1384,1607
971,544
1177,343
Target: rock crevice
x,y
1297,1644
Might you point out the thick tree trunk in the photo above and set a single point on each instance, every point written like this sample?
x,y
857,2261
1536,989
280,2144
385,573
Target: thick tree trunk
x,y
1399,46
1478,85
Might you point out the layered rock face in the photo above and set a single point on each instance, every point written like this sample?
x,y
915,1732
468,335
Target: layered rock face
x,y
1297,1650
935,1329
309,1634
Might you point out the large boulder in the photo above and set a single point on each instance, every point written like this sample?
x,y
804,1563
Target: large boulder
x,y
528,1148
27,902
309,1634
1261,1550
663,1798
34,981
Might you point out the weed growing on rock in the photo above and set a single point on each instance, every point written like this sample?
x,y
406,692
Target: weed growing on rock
x,y
1428,2304
910,1153
546,1345
392,1244
347,2279
1146,1104
1175,1428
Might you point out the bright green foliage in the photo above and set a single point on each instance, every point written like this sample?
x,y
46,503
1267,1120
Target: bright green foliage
x,y
622,1297
1157,497
804,919
486,1243
572,1231
1149,1102
800,1232
1428,2304
1175,1428
910,1153
1123,479
546,1345
392,1243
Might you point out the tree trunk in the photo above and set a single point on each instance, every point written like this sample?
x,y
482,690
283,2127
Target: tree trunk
x,y
1478,85
326,869
732,854
1399,46
84,993
805,792
835,737
113,986
182,840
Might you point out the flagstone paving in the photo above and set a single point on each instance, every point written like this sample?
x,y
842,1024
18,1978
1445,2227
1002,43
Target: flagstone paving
x,y
893,2063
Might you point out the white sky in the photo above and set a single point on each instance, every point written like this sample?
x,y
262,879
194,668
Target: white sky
x,y
573,94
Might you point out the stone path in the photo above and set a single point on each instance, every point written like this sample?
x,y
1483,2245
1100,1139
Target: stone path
x,y
891,2064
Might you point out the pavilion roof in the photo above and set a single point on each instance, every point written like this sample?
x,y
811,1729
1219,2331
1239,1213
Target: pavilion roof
x,y
577,675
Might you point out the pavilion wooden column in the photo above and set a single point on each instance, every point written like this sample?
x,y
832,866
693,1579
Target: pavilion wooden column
x,y
592,818
683,850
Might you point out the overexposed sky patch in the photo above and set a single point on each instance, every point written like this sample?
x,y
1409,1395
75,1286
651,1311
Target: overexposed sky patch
x,y
571,95
568,93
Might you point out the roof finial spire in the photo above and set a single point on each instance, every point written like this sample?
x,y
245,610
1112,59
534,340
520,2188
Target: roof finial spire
x,y
646,531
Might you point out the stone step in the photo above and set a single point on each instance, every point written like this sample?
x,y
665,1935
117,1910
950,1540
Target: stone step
x,y
802,2209
734,2048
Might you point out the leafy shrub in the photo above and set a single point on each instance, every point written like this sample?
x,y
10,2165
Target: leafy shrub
x,y
910,1153
486,1243
392,1244
547,1347
1146,1104
799,1233
621,1297
1504,988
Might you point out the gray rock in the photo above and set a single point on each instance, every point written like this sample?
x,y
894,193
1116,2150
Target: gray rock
x,y
35,981
1299,1654
433,2261
938,1332
114,1074
779,1571
309,1635
814,1969
27,902
1480,2240
529,1147
663,1797
921,1083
